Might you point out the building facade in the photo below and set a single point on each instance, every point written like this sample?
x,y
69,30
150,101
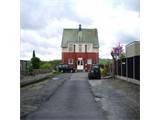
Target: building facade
x,y
80,48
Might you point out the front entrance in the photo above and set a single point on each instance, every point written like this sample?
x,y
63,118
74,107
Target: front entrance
x,y
80,64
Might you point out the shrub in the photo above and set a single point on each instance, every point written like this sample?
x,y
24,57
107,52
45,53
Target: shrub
x,y
45,66
103,71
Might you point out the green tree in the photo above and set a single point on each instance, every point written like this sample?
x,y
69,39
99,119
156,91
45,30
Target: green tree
x,y
105,61
35,61
122,55
34,55
46,66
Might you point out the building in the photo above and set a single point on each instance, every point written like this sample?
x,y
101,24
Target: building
x,y
133,49
133,60
80,48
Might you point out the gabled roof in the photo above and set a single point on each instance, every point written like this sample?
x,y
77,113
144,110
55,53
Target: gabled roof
x,y
88,36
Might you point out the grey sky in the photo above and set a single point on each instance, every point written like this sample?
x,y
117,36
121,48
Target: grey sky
x,y
42,23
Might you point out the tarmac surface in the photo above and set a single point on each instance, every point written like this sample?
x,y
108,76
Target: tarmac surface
x,y
72,101
34,95
119,99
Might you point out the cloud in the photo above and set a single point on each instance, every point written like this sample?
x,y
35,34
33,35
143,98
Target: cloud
x,y
127,4
42,23
120,26
126,38
35,14
31,40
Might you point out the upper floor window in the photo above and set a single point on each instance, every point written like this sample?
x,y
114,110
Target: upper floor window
x,y
89,48
80,48
70,47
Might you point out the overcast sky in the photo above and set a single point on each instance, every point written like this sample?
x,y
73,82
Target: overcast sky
x,y
42,23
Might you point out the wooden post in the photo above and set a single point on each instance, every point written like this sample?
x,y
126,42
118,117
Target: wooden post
x,y
133,67
113,65
127,68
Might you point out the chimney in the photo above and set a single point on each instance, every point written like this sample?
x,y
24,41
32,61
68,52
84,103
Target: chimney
x,y
80,27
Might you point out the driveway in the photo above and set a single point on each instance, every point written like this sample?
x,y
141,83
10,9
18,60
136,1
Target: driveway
x,y
72,101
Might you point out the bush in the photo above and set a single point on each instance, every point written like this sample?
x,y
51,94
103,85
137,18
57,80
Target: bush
x,y
103,71
45,66
55,63
49,64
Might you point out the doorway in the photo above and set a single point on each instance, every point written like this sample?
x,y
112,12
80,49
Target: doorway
x,y
80,64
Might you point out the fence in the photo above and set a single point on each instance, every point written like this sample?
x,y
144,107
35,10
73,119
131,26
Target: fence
x,y
128,67
24,64
23,67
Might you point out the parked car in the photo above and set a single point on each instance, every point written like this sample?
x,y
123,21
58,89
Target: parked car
x,y
65,68
94,72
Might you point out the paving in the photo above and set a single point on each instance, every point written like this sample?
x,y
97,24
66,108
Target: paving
x,y
119,99
72,101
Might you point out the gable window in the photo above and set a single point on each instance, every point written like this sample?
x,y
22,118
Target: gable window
x,y
89,48
70,61
80,48
70,47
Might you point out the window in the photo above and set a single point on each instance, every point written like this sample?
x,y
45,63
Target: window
x,y
89,48
70,61
70,47
78,62
81,62
80,48
89,61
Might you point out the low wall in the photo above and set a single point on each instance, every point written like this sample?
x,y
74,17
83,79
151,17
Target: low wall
x,y
128,79
33,79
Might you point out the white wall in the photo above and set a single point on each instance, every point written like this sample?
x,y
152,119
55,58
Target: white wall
x,y
133,49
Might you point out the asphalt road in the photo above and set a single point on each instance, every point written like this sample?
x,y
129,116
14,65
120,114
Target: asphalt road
x,y
73,101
